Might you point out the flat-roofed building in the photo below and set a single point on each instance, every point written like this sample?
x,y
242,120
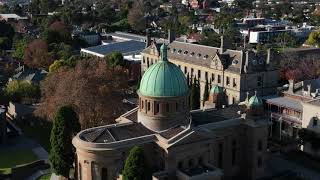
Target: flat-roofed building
x,y
12,17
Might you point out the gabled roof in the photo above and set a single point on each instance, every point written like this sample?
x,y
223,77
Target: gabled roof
x,y
31,75
201,55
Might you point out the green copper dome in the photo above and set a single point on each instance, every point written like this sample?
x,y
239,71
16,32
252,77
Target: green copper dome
x,y
254,101
216,89
163,79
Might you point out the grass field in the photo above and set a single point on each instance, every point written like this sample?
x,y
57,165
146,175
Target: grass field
x,y
9,159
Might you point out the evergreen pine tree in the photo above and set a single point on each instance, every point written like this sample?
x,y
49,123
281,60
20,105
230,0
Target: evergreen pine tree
x,y
135,167
206,92
65,126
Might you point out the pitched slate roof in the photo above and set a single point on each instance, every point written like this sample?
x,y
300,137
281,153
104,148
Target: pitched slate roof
x,y
201,55
34,76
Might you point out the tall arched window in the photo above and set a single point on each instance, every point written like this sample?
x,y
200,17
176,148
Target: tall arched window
x,y
156,107
177,106
260,145
104,174
315,121
167,107
80,171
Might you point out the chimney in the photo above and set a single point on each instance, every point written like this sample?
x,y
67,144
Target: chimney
x,y
247,98
171,36
291,86
221,44
268,56
148,38
309,89
246,65
317,92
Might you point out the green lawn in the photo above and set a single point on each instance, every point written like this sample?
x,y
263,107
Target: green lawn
x,y
39,131
44,177
9,159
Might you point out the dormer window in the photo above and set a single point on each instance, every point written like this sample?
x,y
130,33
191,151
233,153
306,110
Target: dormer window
x,y
185,52
254,62
260,61
205,56
192,54
199,55
234,62
180,51
174,50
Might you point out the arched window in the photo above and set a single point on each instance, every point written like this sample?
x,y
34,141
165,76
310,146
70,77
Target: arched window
x,y
315,121
80,171
167,107
104,174
260,145
191,163
201,160
157,107
141,104
234,152
146,105
149,106
259,161
177,106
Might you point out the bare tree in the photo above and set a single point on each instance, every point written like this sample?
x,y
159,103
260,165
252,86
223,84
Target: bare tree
x,y
300,66
36,54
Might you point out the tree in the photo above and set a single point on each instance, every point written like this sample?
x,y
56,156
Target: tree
x,y
299,67
4,9
136,17
22,92
65,126
20,48
206,92
211,39
57,64
90,86
115,59
314,38
36,55
135,165
6,35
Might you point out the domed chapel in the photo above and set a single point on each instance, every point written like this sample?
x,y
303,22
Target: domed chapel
x,y
212,143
